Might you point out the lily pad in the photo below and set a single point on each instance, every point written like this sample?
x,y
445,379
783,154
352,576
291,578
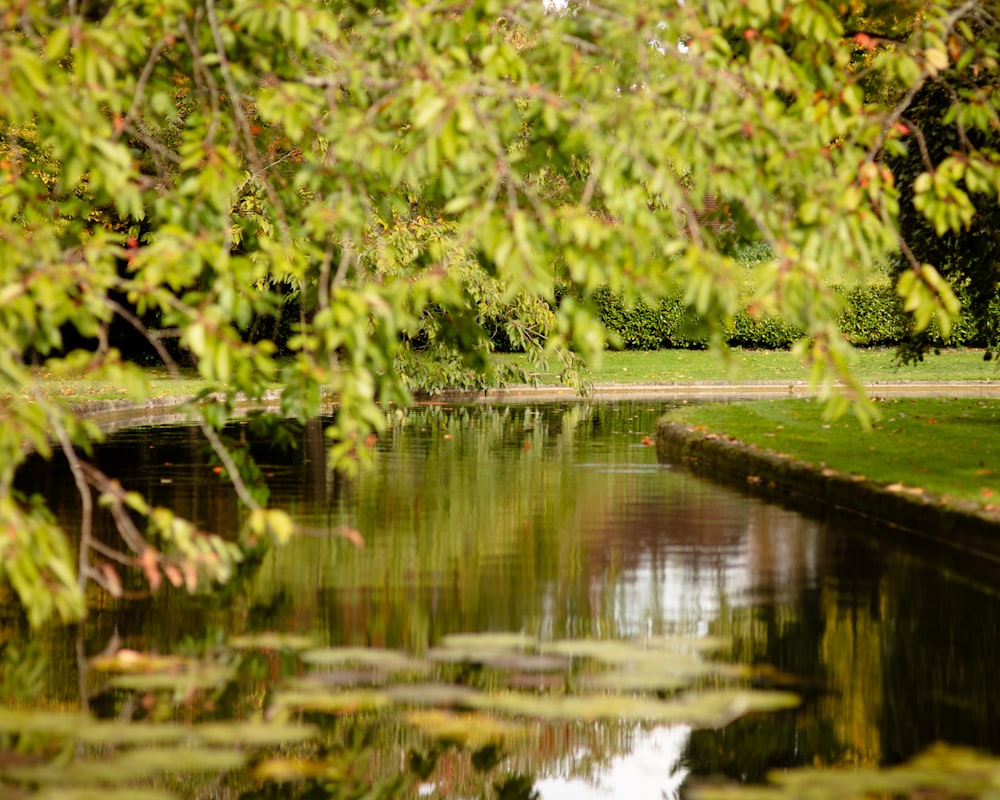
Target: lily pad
x,y
133,661
103,793
942,771
255,734
638,681
131,733
472,730
132,765
293,770
697,709
432,694
488,642
514,662
685,644
205,678
341,678
616,652
52,722
536,681
271,641
328,702
385,660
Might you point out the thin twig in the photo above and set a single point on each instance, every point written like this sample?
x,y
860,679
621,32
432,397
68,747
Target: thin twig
x,y
236,101
140,87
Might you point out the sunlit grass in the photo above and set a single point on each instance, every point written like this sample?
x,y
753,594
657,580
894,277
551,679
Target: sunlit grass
x,y
86,389
662,366
945,446
754,366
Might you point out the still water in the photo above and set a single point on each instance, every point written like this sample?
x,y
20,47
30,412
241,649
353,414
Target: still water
x,y
555,521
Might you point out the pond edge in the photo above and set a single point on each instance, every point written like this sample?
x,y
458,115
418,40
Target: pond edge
x,y
960,526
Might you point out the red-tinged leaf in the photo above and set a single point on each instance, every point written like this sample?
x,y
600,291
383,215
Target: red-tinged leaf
x,y
190,571
149,561
352,535
865,41
112,579
173,575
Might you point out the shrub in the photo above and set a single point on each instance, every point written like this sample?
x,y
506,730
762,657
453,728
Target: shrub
x,y
873,317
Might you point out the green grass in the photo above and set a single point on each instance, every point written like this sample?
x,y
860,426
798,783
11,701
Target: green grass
x,y
751,366
949,447
663,366
755,366
82,389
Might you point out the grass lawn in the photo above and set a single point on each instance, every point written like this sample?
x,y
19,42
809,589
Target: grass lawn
x,y
950,447
663,366
751,366
82,389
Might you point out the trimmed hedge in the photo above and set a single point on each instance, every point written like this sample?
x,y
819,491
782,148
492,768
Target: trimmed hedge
x,y
873,317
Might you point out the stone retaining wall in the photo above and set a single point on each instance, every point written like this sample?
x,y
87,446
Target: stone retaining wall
x,y
959,526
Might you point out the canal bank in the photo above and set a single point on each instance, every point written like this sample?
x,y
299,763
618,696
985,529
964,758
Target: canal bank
x,y
961,527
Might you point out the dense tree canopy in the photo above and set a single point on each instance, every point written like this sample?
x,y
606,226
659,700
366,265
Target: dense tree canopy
x,y
390,182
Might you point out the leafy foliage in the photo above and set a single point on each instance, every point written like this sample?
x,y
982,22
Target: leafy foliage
x,y
872,316
412,178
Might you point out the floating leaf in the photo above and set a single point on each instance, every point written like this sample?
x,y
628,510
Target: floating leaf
x,y
133,765
704,710
340,678
291,770
699,644
255,734
103,793
472,730
432,694
329,702
617,652
641,681
207,677
132,661
387,660
942,771
488,642
526,662
271,641
36,721
120,733
536,681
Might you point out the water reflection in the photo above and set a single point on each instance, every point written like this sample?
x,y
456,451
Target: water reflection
x,y
557,521
653,769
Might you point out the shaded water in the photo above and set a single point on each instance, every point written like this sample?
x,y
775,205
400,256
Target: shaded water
x,y
557,521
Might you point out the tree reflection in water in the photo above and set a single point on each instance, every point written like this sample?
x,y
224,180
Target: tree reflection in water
x,y
557,522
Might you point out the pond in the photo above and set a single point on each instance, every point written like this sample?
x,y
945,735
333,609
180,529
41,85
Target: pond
x,y
552,524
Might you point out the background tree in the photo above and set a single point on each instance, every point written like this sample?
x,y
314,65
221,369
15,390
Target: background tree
x,y
947,173
403,171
